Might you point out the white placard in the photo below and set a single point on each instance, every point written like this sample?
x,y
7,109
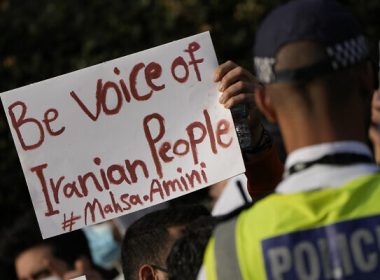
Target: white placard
x,y
80,278
123,135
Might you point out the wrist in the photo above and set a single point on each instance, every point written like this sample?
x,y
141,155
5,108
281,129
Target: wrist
x,y
261,142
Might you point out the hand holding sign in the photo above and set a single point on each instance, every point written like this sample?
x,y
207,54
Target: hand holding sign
x,y
123,135
236,84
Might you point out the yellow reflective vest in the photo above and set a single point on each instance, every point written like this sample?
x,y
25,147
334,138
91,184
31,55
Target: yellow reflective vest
x,y
328,233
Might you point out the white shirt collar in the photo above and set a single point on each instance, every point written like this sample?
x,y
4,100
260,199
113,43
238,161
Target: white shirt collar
x,y
318,176
314,152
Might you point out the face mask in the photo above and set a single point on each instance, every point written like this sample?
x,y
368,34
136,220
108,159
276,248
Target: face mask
x,y
105,250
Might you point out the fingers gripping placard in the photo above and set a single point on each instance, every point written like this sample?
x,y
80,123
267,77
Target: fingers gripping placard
x,y
122,135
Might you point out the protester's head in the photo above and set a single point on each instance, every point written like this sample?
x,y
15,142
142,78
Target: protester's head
x,y
32,257
311,56
148,241
186,256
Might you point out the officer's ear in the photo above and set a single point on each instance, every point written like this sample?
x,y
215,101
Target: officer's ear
x,y
146,272
265,105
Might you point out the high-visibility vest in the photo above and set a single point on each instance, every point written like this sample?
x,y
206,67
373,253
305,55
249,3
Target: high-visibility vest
x,y
328,233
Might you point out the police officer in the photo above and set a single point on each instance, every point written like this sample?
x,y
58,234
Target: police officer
x,y
323,221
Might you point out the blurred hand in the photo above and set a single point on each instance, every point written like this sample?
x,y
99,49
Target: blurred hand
x,y
374,130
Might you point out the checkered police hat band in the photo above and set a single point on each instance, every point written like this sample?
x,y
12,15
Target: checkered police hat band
x,y
340,55
348,53
264,67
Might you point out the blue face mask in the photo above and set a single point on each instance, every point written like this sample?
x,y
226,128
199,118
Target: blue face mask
x,y
105,250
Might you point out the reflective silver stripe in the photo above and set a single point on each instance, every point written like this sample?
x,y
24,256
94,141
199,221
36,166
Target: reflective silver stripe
x,y
226,259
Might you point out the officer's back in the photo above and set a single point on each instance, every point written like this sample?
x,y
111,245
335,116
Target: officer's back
x,y
323,222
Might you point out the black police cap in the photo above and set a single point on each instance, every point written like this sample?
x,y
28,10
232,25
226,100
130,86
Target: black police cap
x,y
322,21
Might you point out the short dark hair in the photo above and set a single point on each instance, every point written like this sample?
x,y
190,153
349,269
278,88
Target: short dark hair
x,y
146,240
24,234
186,255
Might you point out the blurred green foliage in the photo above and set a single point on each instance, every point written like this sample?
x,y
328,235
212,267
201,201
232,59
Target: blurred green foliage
x,y
41,39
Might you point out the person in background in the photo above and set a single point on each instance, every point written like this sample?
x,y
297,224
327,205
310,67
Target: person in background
x,y
61,257
148,241
186,255
104,240
323,220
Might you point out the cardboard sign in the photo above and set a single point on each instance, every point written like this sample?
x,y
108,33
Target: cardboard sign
x,y
123,135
